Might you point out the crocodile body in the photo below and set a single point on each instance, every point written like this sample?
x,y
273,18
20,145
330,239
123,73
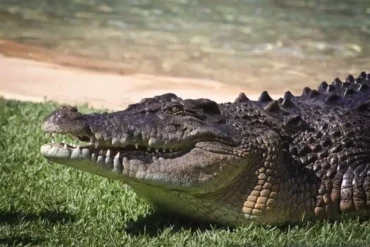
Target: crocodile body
x,y
268,161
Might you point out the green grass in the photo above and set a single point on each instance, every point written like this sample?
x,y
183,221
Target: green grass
x,y
51,205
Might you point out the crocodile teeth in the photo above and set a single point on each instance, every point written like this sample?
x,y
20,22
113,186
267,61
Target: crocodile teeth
x,y
117,156
116,163
65,145
85,152
151,141
100,160
115,141
109,161
96,144
91,139
148,148
156,150
170,150
136,145
108,153
76,152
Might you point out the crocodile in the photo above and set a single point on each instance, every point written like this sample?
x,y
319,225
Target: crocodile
x,y
285,161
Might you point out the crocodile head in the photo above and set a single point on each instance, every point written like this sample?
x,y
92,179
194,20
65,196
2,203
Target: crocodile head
x,y
165,142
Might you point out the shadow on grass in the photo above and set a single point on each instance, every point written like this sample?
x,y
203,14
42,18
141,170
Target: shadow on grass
x,y
154,223
14,217
53,217
20,241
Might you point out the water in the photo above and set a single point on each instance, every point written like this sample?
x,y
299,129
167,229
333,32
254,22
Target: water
x,y
259,43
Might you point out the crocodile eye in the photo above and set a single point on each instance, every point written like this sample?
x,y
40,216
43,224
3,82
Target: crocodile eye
x,y
176,109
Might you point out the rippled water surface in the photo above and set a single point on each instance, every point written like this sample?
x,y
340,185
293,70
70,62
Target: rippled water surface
x,y
232,41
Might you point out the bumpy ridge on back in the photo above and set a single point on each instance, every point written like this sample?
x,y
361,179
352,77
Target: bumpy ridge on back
x,y
351,93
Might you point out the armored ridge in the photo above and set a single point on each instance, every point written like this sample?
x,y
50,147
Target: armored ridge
x,y
268,161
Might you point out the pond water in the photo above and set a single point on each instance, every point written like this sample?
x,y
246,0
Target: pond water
x,y
259,43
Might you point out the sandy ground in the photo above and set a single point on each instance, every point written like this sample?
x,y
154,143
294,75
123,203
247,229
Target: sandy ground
x,y
35,74
36,81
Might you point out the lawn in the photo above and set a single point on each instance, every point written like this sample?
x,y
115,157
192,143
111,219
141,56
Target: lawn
x,y
51,205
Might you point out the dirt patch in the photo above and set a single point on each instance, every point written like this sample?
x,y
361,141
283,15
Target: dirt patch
x,y
29,80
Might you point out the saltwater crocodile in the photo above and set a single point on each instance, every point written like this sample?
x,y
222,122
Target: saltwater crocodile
x,y
269,161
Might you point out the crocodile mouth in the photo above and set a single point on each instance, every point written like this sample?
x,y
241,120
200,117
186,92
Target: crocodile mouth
x,y
105,152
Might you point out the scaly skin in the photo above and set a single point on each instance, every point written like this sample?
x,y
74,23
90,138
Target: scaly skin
x,y
270,162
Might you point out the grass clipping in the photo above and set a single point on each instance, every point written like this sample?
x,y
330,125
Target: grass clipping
x,y
53,205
